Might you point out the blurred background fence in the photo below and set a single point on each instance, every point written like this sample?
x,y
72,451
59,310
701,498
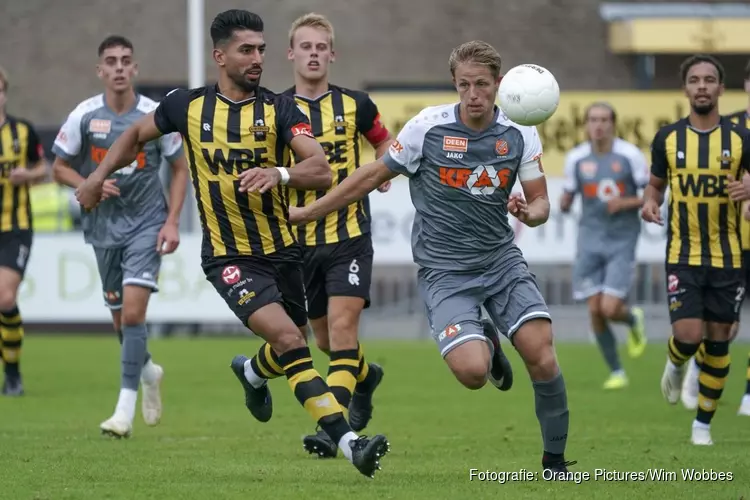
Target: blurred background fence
x,y
624,53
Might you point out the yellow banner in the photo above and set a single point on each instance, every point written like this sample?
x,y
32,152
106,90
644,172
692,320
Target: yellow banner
x,y
639,116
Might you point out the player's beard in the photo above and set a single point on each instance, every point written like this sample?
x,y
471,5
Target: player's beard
x,y
703,109
244,83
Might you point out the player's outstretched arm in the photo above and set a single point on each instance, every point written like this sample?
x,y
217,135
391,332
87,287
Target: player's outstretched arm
x,y
126,148
314,171
362,182
122,153
311,172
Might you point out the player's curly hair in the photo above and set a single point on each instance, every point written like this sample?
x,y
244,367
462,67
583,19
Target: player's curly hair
x,y
311,20
698,59
477,52
4,78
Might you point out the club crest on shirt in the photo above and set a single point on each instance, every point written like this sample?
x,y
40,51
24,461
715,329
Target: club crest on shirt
x,y
501,147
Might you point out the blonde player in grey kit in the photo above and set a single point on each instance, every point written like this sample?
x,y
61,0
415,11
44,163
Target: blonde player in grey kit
x,y
462,161
134,225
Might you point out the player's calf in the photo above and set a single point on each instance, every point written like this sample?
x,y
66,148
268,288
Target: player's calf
x,y
534,342
681,346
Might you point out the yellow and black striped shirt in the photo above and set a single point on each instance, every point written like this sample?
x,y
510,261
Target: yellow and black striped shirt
x,y
223,138
742,118
340,119
19,148
703,223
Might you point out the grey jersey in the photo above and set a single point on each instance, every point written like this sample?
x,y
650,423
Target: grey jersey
x,y
460,180
600,178
90,130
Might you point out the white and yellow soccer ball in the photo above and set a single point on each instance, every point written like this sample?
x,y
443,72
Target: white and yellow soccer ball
x,y
529,94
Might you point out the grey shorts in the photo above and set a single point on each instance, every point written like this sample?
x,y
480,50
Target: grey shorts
x,y
610,273
136,264
454,300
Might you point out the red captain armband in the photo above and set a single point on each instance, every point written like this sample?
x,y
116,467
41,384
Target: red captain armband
x,y
302,129
378,133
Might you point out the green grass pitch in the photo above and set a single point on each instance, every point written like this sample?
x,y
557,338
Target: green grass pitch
x,y
209,447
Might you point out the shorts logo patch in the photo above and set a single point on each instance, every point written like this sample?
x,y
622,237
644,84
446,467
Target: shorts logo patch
x,y
449,332
672,283
231,275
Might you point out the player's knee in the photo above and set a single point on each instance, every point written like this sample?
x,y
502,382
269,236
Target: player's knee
x,y
7,299
610,307
470,364
594,305
533,341
132,315
287,340
471,376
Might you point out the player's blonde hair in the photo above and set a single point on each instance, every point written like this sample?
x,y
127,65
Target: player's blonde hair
x,y
311,20
477,52
4,78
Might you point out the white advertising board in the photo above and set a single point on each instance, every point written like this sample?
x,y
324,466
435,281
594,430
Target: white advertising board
x,y
62,281
554,242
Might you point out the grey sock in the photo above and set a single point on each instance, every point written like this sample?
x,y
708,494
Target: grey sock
x,y
133,354
552,412
148,354
608,345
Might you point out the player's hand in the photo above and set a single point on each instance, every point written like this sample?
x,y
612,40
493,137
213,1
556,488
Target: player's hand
x,y
298,215
19,176
518,207
89,193
736,189
651,212
384,187
259,179
168,239
110,189
746,211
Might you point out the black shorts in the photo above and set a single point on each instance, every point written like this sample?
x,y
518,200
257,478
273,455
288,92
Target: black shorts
x,y
706,293
248,283
15,248
746,265
341,269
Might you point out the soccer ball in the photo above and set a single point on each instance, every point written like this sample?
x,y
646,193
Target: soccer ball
x,y
529,94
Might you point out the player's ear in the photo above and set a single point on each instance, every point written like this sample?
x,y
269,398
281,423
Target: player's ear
x,y
747,85
722,88
290,54
135,69
333,56
219,57
99,73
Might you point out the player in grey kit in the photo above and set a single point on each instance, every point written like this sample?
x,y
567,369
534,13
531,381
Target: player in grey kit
x,y
462,161
607,172
133,227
